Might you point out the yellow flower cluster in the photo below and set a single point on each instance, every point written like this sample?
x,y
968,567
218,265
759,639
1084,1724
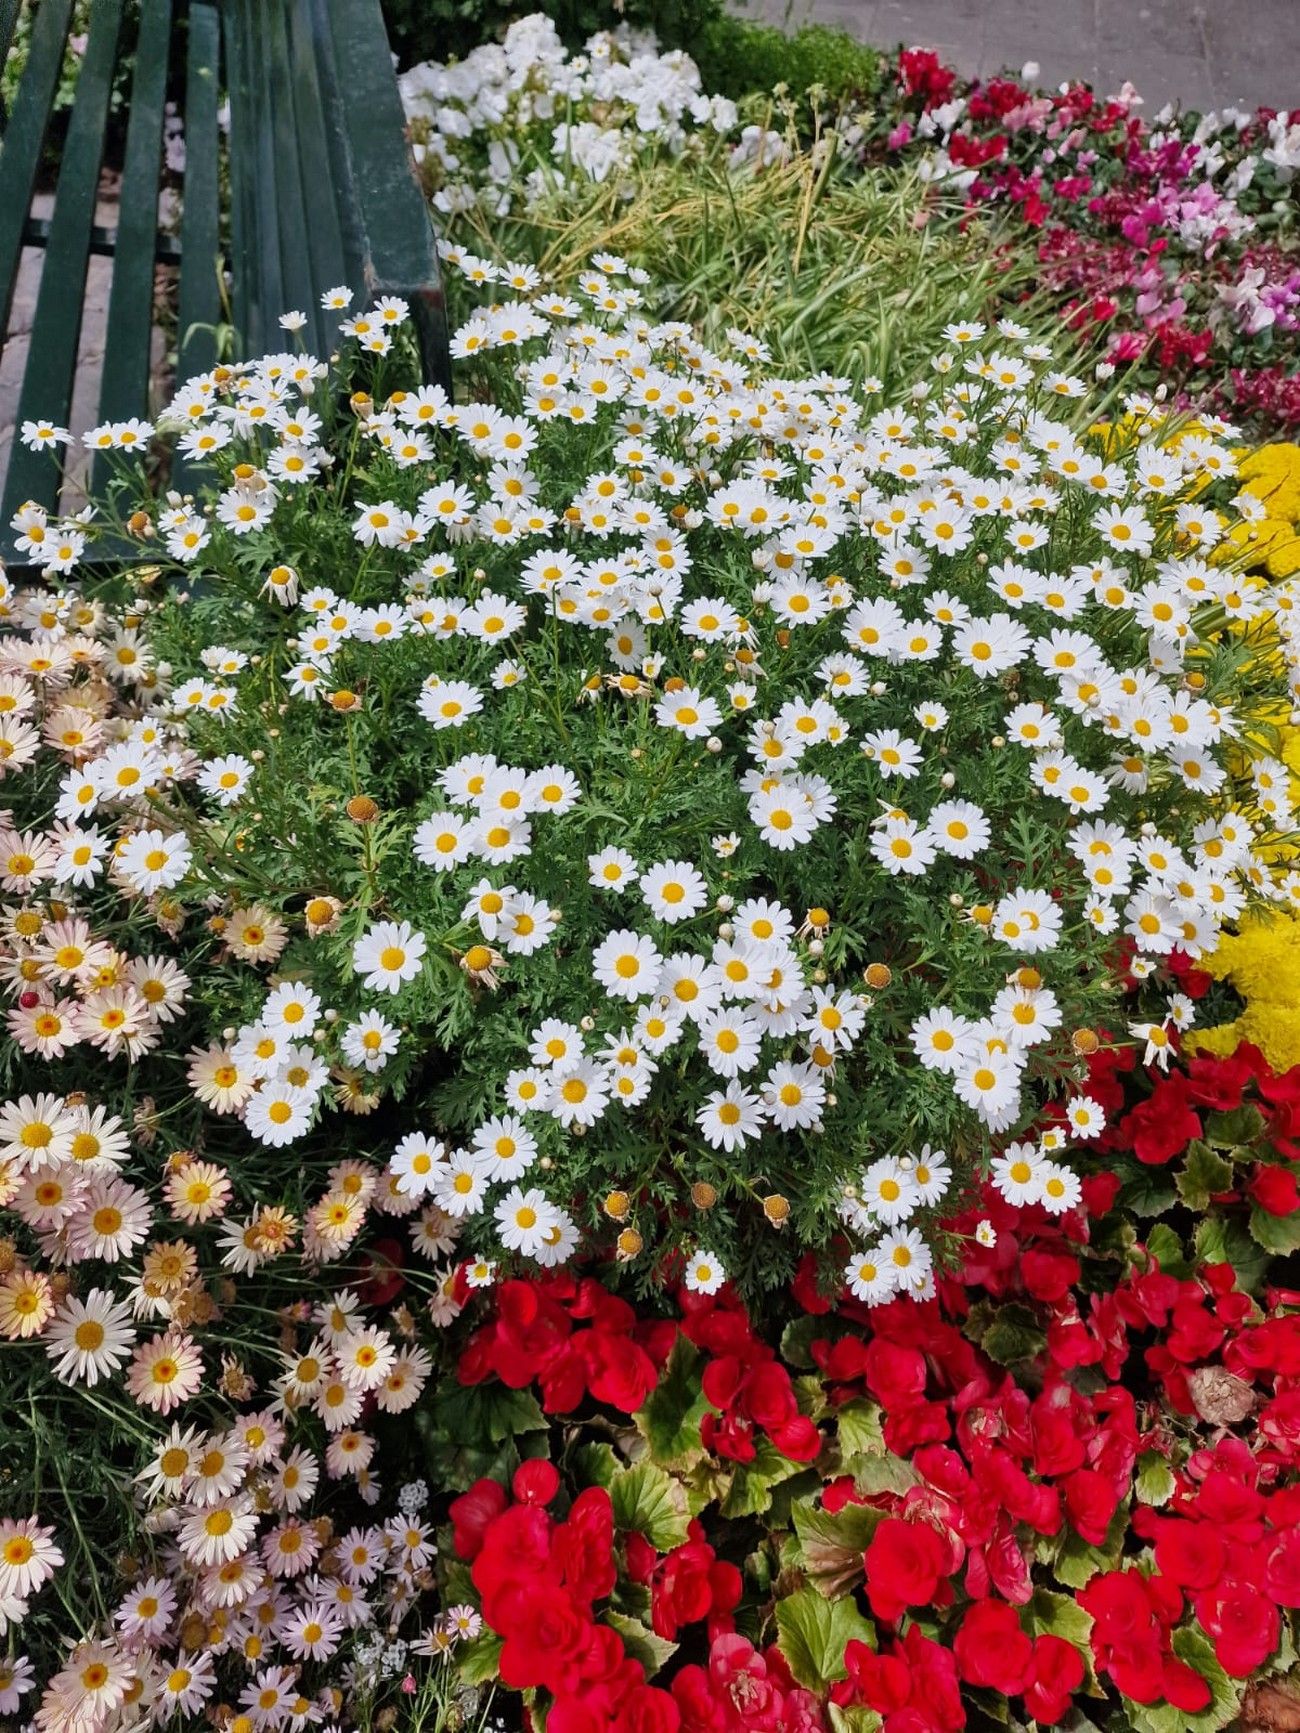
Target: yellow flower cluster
x,y
1272,474
1262,961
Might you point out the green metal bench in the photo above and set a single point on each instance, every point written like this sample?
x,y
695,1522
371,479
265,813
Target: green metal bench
x,y
323,192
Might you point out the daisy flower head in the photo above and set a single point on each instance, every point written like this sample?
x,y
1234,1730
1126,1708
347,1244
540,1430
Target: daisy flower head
x,y
389,955
704,1273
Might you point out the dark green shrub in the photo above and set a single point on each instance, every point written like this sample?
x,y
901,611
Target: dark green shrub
x,y
737,57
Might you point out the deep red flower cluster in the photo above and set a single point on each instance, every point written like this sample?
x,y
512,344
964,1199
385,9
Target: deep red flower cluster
x,y
746,1382
538,1581
571,1337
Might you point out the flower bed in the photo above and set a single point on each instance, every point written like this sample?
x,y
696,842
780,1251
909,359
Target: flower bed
x,y
600,1114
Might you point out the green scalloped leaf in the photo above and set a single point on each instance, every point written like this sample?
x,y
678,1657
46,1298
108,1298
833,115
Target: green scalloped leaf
x,y
670,1420
1204,1173
647,1498
831,1545
812,1633
641,1642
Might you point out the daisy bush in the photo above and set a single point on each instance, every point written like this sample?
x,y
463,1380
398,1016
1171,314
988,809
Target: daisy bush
x,y
709,804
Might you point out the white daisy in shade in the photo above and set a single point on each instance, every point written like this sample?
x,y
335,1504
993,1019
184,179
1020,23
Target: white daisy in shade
x,y
524,1219
871,1277
704,1273
28,1556
1018,1173
1061,1190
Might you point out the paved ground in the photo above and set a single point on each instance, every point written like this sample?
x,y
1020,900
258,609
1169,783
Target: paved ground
x,y
1203,53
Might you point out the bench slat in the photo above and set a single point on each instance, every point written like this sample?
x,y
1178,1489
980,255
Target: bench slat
x,y
311,134
21,155
200,291
392,241
199,308
124,387
290,107
56,328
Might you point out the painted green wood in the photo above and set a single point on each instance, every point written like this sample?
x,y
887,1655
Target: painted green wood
x,y
20,155
56,327
9,10
312,138
124,386
199,308
291,103
394,249
200,289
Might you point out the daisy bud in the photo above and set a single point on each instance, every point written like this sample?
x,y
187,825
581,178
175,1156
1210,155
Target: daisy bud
x,y
820,977
815,947
703,1195
777,1209
947,780
699,654
617,1205
726,930
998,741
955,899
713,744
878,688
588,1024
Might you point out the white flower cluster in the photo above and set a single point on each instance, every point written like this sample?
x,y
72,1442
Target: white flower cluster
x,y
590,115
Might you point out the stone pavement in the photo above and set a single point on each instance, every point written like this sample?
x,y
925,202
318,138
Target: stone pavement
x,y
1202,53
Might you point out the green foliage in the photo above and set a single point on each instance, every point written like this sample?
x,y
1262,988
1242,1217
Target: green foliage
x,y
649,1501
737,57
831,1544
812,1632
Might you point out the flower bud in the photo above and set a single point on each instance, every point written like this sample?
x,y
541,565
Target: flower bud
x,y
777,1209
617,1206
361,809
703,1195
878,976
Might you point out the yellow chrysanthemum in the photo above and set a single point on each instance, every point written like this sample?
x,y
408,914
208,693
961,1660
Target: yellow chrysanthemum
x,y
1262,961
